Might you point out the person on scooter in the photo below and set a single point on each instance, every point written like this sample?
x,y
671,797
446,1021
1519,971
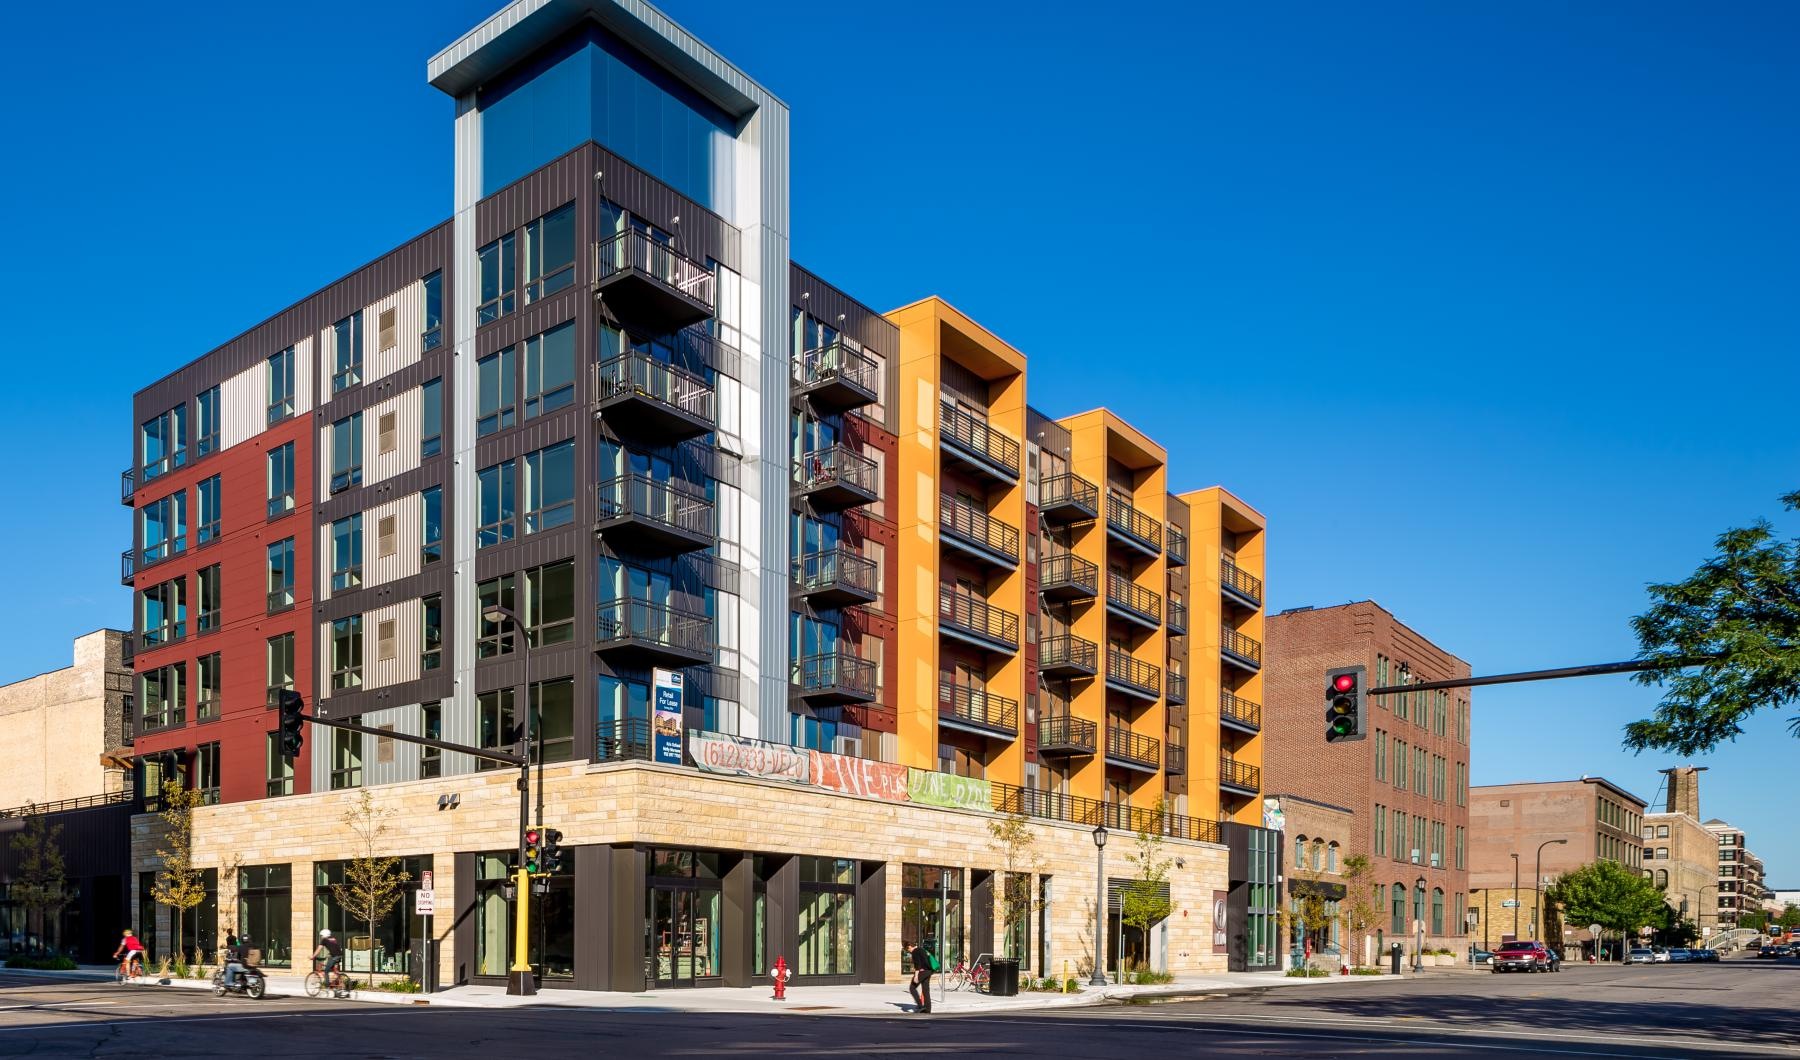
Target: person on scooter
x,y
237,955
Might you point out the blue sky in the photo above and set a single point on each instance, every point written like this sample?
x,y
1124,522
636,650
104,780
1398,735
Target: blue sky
x,y
1489,310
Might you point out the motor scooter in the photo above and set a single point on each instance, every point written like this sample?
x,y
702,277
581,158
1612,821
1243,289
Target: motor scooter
x,y
250,983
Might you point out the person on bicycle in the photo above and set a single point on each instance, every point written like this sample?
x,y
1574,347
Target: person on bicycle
x,y
237,955
131,948
331,951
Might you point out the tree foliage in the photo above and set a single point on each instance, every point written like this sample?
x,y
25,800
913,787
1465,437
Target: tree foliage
x,y
39,882
1361,908
1790,916
1754,919
1308,909
1144,901
1016,845
1607,894
1727,640
373,882
179,884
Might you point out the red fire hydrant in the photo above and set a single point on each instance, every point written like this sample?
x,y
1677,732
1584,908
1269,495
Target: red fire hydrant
x,y
780,974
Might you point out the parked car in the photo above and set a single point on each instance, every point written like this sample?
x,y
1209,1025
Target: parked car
x,y
1769,951
1680,955
1659,955
1783,949
1525,957
1481,956
1709,953
1640,955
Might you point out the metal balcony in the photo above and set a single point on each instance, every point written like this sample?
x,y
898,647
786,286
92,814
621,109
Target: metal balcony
x,y
1068,498
836,378
1066,655
971,619
1175,759
1240,777
836,577
640,395
1178,617
1132,676
1064,734
972,530
975,710
984,449
1136,529
1236,712
644,515
648,282
1129,600
1176,692
127,487
837,677
622,740
1132,750
837,477
641,631
1239,649
127,566
1240,585
1066,576
1178,547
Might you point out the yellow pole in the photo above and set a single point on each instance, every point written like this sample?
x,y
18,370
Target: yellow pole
x,y
522,922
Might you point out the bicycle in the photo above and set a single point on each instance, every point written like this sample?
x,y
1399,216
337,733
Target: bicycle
x,y
130,968
963,974
315,983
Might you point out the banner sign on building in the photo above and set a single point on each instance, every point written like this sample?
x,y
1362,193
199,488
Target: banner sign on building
x,y
665,722
1221,914
859,776
947,789
740,756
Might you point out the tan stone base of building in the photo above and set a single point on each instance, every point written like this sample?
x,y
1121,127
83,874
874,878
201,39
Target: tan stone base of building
x,y
613,816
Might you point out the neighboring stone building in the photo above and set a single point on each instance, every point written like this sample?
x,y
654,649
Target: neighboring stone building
x,y
1319,838
61,725
1680,855
1594,820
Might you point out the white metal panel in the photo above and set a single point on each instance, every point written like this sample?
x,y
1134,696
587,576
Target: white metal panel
x,y
321,375
406,409
408,515
408,305
243,405
323,566
322,465
388,761
304,381
402,663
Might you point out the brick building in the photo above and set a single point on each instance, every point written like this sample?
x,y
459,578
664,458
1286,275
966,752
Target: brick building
x,y
1681,855
1318,839
1406,783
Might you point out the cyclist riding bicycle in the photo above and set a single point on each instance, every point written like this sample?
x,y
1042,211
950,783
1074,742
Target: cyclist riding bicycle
x,y
331,951
132,949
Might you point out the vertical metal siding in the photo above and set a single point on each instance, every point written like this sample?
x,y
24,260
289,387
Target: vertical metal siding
x,y
243,401
408,306
392,761
407,409
408,619
404,563
322,569
304,383
322,373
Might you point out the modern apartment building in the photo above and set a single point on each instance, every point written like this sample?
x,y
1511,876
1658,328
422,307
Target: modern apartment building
x,y
1517,831
596,445
1407,781
1741,886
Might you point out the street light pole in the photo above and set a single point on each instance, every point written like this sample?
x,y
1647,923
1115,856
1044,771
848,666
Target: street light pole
x,y
1537,885
519,980
1419,918
1515,858
1099,976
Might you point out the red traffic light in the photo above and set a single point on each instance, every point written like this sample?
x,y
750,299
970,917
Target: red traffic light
x,y
531,836
1344,682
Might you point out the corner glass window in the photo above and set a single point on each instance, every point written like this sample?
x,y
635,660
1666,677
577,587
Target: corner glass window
x,y
165,527
163,443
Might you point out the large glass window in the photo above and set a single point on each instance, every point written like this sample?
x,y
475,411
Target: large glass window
x,y
431,650
496,724
207,687
208,590
431,505
550,369
280,664
494,638
551,947
281,575
278,769
206,773
553,707
165,527
281,386
496,488
265,912
431,726
499,280
200,925
281,479
931,909
346,553
162,697
827,917
495,395
163,442
550,487
346,759
206,422
550,604
206,515
347,652
550,253
434,311
347,352
163,613
346,453
431,418
389,950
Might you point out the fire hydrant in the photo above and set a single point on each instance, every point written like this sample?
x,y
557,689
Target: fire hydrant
x,y
780,975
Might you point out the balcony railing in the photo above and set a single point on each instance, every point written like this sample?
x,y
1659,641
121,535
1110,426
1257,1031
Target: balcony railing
x,y
1132,748
127,566
836,577
977,531
1236,710
1074,809
1124,521
622,740
1239,648
1240,775
839,676
127,486
1068,498
655,630
837,477
1178,548
1178,617
1133,675
653,514
978,708
653,282
837,377
975,618
980,444
1066,576
639,392
1175,759
1133,600
1066,654
1240,583
1066,734
1177,690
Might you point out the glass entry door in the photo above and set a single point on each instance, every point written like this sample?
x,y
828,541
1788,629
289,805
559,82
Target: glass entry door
x,y
684,936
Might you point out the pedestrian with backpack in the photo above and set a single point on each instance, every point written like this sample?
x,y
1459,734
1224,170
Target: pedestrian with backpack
x,y
925,964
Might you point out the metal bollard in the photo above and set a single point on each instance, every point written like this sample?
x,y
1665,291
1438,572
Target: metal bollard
x,y
1394,958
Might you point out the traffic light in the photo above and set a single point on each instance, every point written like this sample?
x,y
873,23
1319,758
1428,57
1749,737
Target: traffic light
x,y
291,706
1344,704
551,858
533,852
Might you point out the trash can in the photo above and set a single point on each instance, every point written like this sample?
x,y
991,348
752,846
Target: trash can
x,y
1003,977
1394,958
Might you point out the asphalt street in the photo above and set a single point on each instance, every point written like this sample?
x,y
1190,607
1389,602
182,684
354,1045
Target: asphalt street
x,y
1734,1008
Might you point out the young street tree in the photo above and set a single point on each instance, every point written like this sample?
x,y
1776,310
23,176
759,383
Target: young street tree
x,y
1361,908
1728,639
179,884
39,881
1607,894
1016,845
1308,907
373,883
1144,902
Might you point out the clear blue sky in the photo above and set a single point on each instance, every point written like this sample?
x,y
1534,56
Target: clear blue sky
x,y
1491,311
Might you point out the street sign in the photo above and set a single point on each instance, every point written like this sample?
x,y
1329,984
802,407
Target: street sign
x,y
1510,903
1594,930
424,902
425,880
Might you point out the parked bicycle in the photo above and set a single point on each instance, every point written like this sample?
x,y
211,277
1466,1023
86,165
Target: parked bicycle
x,y
973,976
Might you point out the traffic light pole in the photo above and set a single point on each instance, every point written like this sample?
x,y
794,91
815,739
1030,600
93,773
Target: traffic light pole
x,y
1632,666
424,741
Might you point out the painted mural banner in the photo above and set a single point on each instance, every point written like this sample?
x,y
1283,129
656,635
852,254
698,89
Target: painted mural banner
x,y
859,776
741,756
947,789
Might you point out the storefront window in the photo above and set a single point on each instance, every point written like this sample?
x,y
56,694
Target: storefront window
x,y
389,949
551,951
265,912
1015,917
931,909
683,932
827,916
200,925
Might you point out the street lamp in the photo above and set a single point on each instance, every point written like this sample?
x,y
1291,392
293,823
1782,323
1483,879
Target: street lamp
x,y
1419,919
1515,899
1099,976
1538,918
519,980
